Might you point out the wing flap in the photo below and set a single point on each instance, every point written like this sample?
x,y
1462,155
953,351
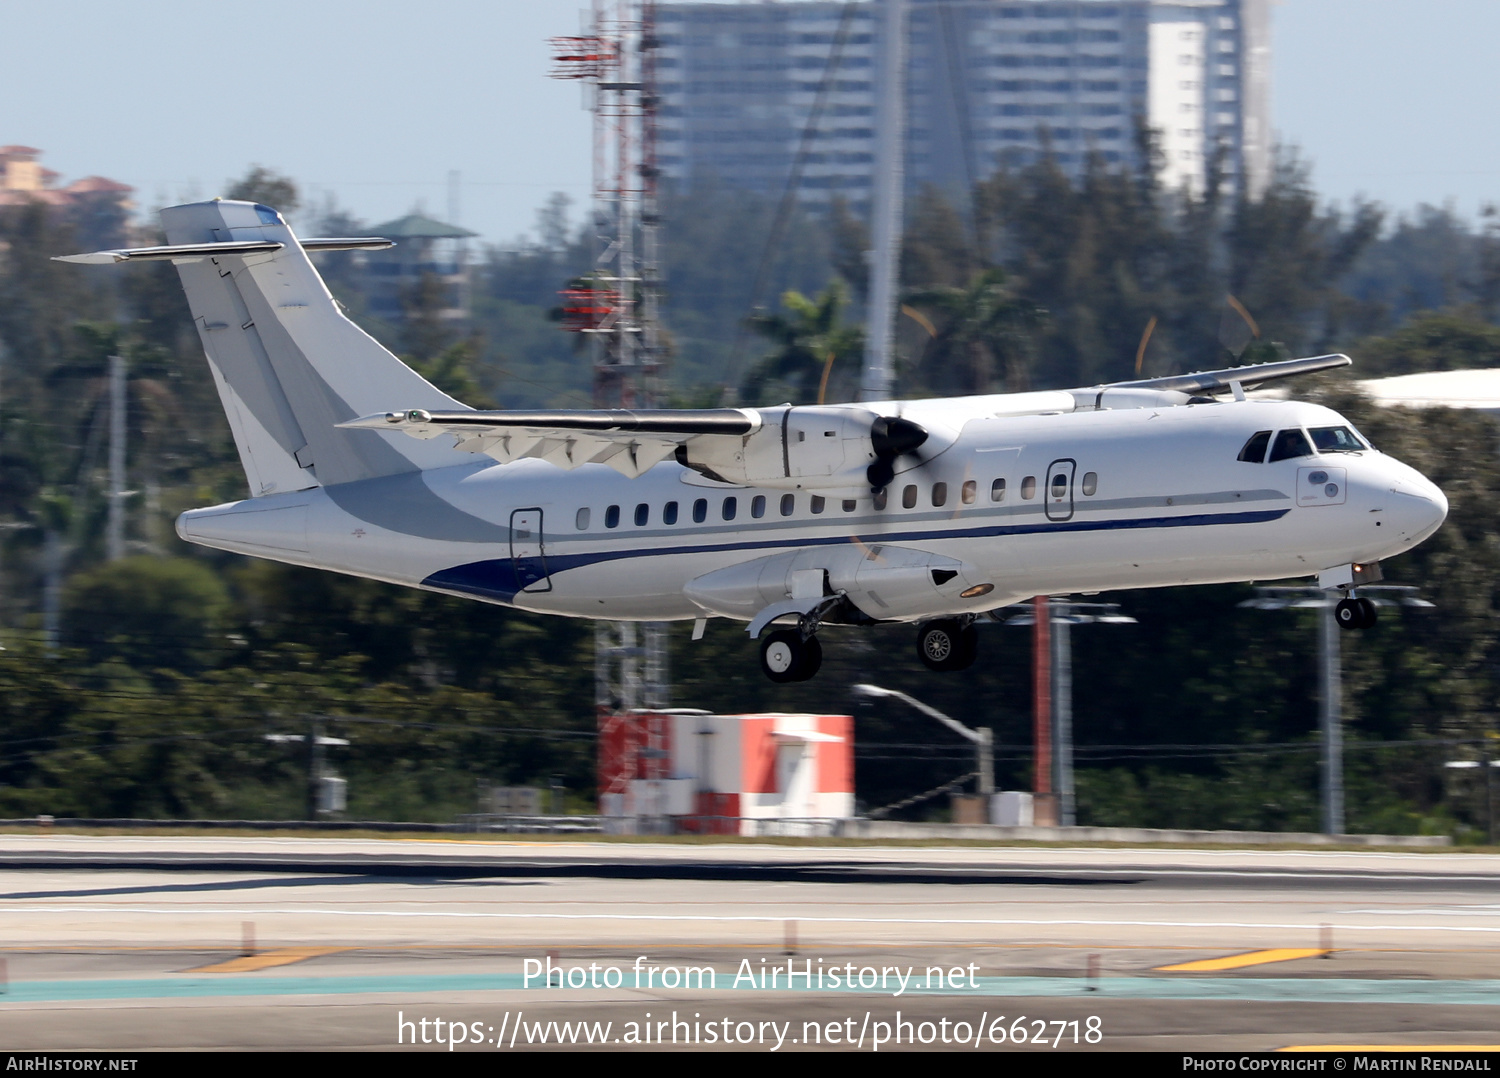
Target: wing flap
x,y
631,441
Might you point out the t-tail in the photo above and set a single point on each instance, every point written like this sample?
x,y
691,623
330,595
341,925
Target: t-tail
x,y
289,365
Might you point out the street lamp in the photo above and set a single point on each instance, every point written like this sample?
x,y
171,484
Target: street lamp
x,y
1331,674
1055,644
325,791
983,738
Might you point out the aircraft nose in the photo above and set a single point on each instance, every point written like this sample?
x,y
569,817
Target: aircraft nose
x,y
1416,506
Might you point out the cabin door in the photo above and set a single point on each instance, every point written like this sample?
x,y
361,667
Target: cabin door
x,y
526,550
1058,494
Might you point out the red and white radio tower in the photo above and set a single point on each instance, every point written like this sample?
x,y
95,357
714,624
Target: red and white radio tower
x,y
617,303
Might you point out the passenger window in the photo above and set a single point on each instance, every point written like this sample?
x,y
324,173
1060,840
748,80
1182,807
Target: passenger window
x,y
700,510
582,520
997,490
939,493
669,513
909,497
1059,485
880,498
1255,449
612,517
788,503
850,505
1090,484
816,503
731,506
757,506
642,515
1289,444
1028,487
969,492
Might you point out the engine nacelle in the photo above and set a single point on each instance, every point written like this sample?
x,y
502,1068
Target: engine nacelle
x,y
886,583
814,446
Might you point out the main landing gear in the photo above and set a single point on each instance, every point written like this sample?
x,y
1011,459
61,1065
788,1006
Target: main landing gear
x,y
1355,614
947,644
785,656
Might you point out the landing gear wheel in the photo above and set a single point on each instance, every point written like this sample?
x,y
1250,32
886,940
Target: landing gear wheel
x,y
1355,614
947,645
786,657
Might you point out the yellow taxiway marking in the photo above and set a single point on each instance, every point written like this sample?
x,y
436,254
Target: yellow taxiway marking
x,y
1249,958
280,956
1391,1048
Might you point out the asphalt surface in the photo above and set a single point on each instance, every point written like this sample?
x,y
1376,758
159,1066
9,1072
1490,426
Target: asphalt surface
x,y
127,943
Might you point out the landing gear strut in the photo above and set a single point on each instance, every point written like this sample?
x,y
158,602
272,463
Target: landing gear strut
x,y
1355,614
947,644
785,656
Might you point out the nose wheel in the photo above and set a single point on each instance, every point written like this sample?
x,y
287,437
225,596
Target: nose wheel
x,y
1355,614
947,645
786,657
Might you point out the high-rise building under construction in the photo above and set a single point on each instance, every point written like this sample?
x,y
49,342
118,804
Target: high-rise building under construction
x,y
755,92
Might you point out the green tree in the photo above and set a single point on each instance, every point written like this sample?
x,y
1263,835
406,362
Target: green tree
x,y
268,188
813,347
148,611
985,336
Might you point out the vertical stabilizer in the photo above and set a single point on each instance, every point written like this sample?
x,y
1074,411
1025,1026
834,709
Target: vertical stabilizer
x,y
289,365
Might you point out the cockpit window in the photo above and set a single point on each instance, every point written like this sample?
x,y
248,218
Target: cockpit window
x,y
1255,449
1336,440
1289,444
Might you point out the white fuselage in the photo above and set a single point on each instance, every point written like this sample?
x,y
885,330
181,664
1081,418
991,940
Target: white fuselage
x,y
1081,501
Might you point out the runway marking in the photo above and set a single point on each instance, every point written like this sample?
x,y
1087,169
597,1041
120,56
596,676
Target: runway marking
x,y
308,911
1239,961
1390,1048
1231,989
281,956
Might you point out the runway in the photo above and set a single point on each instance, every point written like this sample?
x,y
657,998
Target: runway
x,y
140,943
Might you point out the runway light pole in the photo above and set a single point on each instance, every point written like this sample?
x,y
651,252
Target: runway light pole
x,y
983,738
318,776
1330,679
1060,615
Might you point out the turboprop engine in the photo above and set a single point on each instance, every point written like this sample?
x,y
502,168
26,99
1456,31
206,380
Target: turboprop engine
x,y
834,447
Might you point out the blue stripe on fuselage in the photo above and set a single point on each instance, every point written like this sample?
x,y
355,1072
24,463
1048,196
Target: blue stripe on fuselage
x,y
495,578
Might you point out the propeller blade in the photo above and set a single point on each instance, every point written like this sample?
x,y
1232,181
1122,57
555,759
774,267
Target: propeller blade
x,y
891,436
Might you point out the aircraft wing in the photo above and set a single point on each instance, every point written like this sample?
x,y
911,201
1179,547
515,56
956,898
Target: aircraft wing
x,y
840,446
629,441
1253,375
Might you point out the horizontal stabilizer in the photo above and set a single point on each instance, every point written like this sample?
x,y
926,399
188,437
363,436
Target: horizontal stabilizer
x,y
185,252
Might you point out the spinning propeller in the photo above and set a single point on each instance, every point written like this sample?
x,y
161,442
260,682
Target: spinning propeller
x,y
891,437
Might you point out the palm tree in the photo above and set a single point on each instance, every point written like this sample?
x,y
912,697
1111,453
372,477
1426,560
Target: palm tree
x,y
986,332
811,341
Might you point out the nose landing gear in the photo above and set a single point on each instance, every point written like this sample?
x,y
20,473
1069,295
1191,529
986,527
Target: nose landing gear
x,y
947,644
1355,614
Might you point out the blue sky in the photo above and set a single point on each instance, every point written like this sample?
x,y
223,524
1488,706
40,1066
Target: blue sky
x,y
375,102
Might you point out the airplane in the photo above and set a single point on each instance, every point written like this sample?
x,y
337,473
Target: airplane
x,y
932,512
